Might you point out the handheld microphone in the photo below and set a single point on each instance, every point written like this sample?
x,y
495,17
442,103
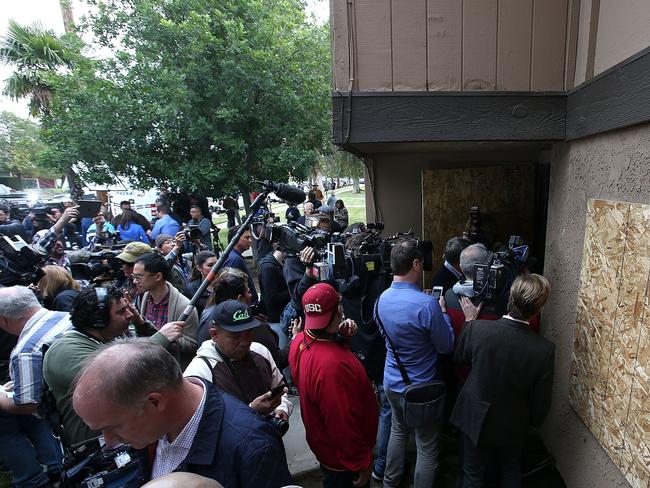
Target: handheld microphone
x,y
286,192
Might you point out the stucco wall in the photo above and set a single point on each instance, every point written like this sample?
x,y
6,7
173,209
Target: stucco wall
x,y
613,166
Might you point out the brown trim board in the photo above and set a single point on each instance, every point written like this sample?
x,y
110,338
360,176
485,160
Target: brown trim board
x,y
616,98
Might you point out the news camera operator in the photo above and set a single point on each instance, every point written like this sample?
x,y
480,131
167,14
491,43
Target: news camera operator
x,y
98,316
465,303
50,242
8,226
203,224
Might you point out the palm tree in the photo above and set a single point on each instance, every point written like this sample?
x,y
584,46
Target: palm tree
x,y
35,53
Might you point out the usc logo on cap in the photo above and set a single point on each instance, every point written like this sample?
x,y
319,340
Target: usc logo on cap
x,y
313,307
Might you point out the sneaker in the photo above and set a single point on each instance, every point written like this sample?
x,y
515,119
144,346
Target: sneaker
x,y
377,477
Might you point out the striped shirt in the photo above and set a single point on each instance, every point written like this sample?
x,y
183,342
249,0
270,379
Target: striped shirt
x,y
169,455
26,360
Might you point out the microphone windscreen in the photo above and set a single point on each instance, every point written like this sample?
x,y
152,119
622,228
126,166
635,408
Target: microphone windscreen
x,y
289,193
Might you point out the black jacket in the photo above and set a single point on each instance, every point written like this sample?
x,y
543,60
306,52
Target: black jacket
x,y
510,384
273,287
444,278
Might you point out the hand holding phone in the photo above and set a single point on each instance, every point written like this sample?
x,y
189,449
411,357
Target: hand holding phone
x,y
436,292
278,390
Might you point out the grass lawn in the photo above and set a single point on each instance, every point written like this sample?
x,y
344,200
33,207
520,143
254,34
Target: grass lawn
x,y
355,203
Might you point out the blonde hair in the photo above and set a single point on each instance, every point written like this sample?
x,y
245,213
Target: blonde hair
x,y
56,280
528,294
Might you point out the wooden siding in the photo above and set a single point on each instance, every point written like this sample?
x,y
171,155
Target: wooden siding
x,y
453,45
470,45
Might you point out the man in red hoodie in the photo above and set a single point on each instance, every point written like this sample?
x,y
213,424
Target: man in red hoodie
x,y
337,401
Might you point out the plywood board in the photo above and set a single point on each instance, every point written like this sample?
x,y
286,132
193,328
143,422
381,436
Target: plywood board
x,y
340,44
444,44
447,195
409,31
373,45
610,374
514,36
479,44
549,42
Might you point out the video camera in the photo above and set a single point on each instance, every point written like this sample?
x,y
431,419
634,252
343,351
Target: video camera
x,y
91,465
19,263
493,279
96,266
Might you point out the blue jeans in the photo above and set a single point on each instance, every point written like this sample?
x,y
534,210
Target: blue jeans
x,y
426,443
385,415
26,445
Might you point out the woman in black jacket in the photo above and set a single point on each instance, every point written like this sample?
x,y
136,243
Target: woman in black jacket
x,y
203,262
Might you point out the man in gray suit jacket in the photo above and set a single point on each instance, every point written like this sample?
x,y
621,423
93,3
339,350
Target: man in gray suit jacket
x,y
509,386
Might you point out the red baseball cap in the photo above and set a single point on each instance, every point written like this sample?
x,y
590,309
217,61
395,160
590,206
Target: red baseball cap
x,y
320,303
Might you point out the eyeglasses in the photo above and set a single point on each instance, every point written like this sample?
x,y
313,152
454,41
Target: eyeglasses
x,y
137,277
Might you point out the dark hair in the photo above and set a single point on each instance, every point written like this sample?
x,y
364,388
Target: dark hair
x,y
311,195
154,262
164,208
403,254
453,248
200,259
198,207
232,231
125,202
229,284
5,208
125,219
85,306
336,203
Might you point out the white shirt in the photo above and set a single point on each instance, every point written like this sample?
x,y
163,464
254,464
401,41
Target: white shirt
x,y
169,455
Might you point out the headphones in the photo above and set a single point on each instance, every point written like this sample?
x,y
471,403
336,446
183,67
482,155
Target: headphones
x,y
101,316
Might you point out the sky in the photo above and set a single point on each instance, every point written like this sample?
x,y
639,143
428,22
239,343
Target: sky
x,y
48,14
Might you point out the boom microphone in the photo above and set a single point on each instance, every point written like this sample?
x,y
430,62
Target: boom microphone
x,y
285,192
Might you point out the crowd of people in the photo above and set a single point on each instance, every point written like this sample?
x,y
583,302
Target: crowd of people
x,y
205,390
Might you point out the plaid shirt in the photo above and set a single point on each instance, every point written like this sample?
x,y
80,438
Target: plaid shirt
x,y
26,360
169,455
157,312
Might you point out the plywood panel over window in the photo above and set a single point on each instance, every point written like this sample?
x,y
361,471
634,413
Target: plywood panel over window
x,y
610,375
506,209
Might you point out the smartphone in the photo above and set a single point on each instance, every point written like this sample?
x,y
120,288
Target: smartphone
x,y
278,390
88,208
436,292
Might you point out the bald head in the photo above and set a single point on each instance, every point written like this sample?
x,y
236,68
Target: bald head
x,y
126,370
471,255
186,480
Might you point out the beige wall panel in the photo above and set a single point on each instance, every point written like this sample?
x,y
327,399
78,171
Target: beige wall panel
x,y
549,41
373,45
340,45
409,31
623,30
573,22
513,44
582,49
447,194
444,44
479,44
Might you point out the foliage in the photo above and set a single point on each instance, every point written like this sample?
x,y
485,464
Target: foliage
x,y
35,53
340,164
20,146
199,95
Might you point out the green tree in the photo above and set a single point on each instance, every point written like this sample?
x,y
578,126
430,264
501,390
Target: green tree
x,y
37,55
20,147
336,163
200,95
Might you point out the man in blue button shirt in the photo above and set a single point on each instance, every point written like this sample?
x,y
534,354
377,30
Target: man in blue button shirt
x,y
165,223
420,330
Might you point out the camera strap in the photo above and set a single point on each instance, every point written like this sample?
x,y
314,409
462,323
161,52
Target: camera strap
x,y
400,365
